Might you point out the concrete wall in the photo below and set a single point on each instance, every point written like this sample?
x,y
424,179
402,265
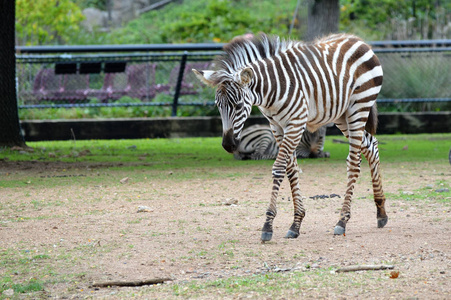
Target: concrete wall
x,y
83,129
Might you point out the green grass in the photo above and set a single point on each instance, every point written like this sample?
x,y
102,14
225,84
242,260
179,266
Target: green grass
x,y
273,285
32,285
186,158
401,148
27,270
15,263
177,153
177,159
159,153
440,191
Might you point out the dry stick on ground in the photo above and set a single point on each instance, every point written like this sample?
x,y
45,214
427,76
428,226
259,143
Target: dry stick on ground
x,y
131,283
364,268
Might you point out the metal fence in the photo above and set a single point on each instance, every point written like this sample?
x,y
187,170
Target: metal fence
x,y
160,75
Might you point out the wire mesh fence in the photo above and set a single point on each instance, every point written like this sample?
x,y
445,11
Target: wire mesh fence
x,y
417,77
111,80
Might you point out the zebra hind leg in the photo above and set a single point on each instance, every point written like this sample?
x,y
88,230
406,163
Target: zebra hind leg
x,y
299,210
371,153
353,169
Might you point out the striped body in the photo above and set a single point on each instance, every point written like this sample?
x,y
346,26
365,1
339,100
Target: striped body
x,y
300,86
258,142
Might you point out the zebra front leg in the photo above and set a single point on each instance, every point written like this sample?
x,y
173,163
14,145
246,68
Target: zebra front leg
x,y
299,211
271,212
287,139
278,172
371,153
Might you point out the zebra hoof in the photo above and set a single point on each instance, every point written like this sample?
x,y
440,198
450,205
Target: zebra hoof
x,y
382,222
291,234
266,236
338,230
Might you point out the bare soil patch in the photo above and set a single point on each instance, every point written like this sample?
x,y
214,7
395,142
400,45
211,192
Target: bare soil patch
x,y
91,231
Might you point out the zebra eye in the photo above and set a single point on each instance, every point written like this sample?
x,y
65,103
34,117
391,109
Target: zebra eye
x,y
239,105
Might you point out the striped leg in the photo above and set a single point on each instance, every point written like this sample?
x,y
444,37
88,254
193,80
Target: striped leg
x,y
371,153
353,161
286,150
299,210
271,212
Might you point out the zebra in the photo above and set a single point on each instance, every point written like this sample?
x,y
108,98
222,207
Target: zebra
x,y
300,86
258,142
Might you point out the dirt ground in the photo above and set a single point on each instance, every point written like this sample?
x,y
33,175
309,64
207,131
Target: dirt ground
x,y
91,231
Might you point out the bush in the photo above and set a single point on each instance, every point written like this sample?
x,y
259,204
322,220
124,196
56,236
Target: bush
x,y
206,21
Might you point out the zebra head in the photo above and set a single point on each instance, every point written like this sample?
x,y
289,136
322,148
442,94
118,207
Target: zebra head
x,y
234,101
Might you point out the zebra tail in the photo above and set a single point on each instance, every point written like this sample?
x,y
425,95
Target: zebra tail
x,y
371,124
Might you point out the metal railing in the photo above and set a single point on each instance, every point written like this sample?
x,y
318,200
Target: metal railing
x,y
160,75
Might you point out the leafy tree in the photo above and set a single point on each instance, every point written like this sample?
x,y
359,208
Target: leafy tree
x,y
40,22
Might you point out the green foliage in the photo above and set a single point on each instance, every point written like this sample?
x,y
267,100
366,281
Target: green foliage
x,y
206,21
381,19
40,22
414,106
195,21
99,4
115,112
217,18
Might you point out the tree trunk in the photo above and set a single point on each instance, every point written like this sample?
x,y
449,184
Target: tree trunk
x,y
10,133
323,18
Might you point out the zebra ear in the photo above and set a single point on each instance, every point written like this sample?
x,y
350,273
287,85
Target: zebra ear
x,y
246,76
204,76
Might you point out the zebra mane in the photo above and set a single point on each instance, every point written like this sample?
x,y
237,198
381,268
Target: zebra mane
x,y
241,52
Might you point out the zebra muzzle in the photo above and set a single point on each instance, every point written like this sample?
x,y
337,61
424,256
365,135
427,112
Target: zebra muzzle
x,y
229,142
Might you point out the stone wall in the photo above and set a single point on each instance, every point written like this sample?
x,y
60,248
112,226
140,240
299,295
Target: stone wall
x,y
83,129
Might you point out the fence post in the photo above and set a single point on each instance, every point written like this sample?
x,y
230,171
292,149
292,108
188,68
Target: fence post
x,y
179,84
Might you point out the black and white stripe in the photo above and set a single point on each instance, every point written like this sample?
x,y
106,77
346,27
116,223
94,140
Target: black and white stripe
x,y
300,86
257,142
